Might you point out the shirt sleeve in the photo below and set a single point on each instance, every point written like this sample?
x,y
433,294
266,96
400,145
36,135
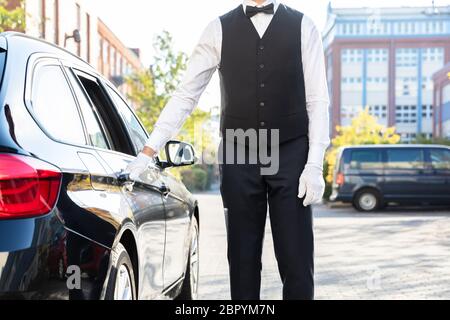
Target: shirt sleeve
x,y
200,69
317,97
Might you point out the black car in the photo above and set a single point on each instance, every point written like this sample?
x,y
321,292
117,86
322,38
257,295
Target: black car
x,y
372,176
72,224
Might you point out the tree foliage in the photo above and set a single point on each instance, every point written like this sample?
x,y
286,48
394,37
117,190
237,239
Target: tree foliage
x,y
364,130
151,89
422,139
11,19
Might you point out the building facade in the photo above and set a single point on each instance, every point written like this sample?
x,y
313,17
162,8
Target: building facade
x,y
56,20
384,59
442,102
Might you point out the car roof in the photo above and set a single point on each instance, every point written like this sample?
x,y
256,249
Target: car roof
x,y
31,45
39,45
377,146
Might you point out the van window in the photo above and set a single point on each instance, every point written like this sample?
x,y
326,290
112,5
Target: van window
x,y
366,159
440,159
405,158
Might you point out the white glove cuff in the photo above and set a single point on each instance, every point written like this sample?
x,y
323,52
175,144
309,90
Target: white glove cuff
x,y
144,158
315,166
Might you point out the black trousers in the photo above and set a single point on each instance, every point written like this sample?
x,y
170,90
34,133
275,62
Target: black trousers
x,y
246,196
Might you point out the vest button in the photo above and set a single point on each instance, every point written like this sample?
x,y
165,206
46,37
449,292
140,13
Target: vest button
x,y
262,85
261,47
262,104
261,66
262,123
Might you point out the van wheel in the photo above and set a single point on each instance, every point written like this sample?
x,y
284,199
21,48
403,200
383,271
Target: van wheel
x,y
367,200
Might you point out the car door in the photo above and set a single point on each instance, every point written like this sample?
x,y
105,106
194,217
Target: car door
x,y
87,204
440,163
146,210
177,230
176,210
406,174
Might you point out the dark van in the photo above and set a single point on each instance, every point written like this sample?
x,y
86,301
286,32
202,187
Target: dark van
x,y
370,177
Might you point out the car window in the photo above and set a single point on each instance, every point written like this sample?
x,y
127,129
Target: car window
x,y
440,159
91,119
2,62
54,105
406,158
366,159
138,134
115,130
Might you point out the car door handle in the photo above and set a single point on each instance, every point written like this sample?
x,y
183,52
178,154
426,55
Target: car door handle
x,y
165,190
124,178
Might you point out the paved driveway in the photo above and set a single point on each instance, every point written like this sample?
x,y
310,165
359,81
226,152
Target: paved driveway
x,y
399,254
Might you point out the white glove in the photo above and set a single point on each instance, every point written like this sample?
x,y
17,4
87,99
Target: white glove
x,y
312,184
139,165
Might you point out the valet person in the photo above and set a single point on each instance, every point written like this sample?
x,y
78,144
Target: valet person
x,y
271,63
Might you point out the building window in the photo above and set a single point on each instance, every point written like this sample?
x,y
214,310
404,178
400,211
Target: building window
x,y
107,57
56,21
88,38
111,60
105,52
117,68
42,18
78,27
102,52
114,62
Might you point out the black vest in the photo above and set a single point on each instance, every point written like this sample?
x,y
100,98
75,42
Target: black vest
x,y
262,80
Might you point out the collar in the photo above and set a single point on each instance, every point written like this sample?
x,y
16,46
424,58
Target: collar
x,y
253,4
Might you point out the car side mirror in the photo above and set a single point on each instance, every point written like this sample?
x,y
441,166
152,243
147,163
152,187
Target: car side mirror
x,y
180,154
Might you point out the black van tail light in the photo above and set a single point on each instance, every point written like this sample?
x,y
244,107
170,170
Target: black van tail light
x,y
28,187
340,179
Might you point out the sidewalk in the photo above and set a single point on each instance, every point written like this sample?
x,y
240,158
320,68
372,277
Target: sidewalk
x,y
393,255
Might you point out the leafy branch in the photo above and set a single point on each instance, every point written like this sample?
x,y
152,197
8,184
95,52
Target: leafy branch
x,y
12,19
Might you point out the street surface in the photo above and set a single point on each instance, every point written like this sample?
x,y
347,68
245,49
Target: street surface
x,y
398,254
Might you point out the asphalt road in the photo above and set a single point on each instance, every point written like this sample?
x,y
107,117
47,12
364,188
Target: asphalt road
x,y
403,253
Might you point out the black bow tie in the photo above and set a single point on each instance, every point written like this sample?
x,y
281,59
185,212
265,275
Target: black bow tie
x,y
251,11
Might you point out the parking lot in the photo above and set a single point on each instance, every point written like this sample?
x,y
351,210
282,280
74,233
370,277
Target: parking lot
x,y
403,253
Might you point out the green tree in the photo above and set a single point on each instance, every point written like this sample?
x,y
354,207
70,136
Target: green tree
x,y
151,89
363,130
11,19
422,139
195,179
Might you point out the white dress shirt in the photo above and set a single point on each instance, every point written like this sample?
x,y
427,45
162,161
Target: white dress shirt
x,y
205,60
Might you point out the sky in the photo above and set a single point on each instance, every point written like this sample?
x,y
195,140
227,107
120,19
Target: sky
x,y
140,21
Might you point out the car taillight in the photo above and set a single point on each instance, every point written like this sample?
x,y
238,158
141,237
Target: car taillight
x,y
28,187
340,179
